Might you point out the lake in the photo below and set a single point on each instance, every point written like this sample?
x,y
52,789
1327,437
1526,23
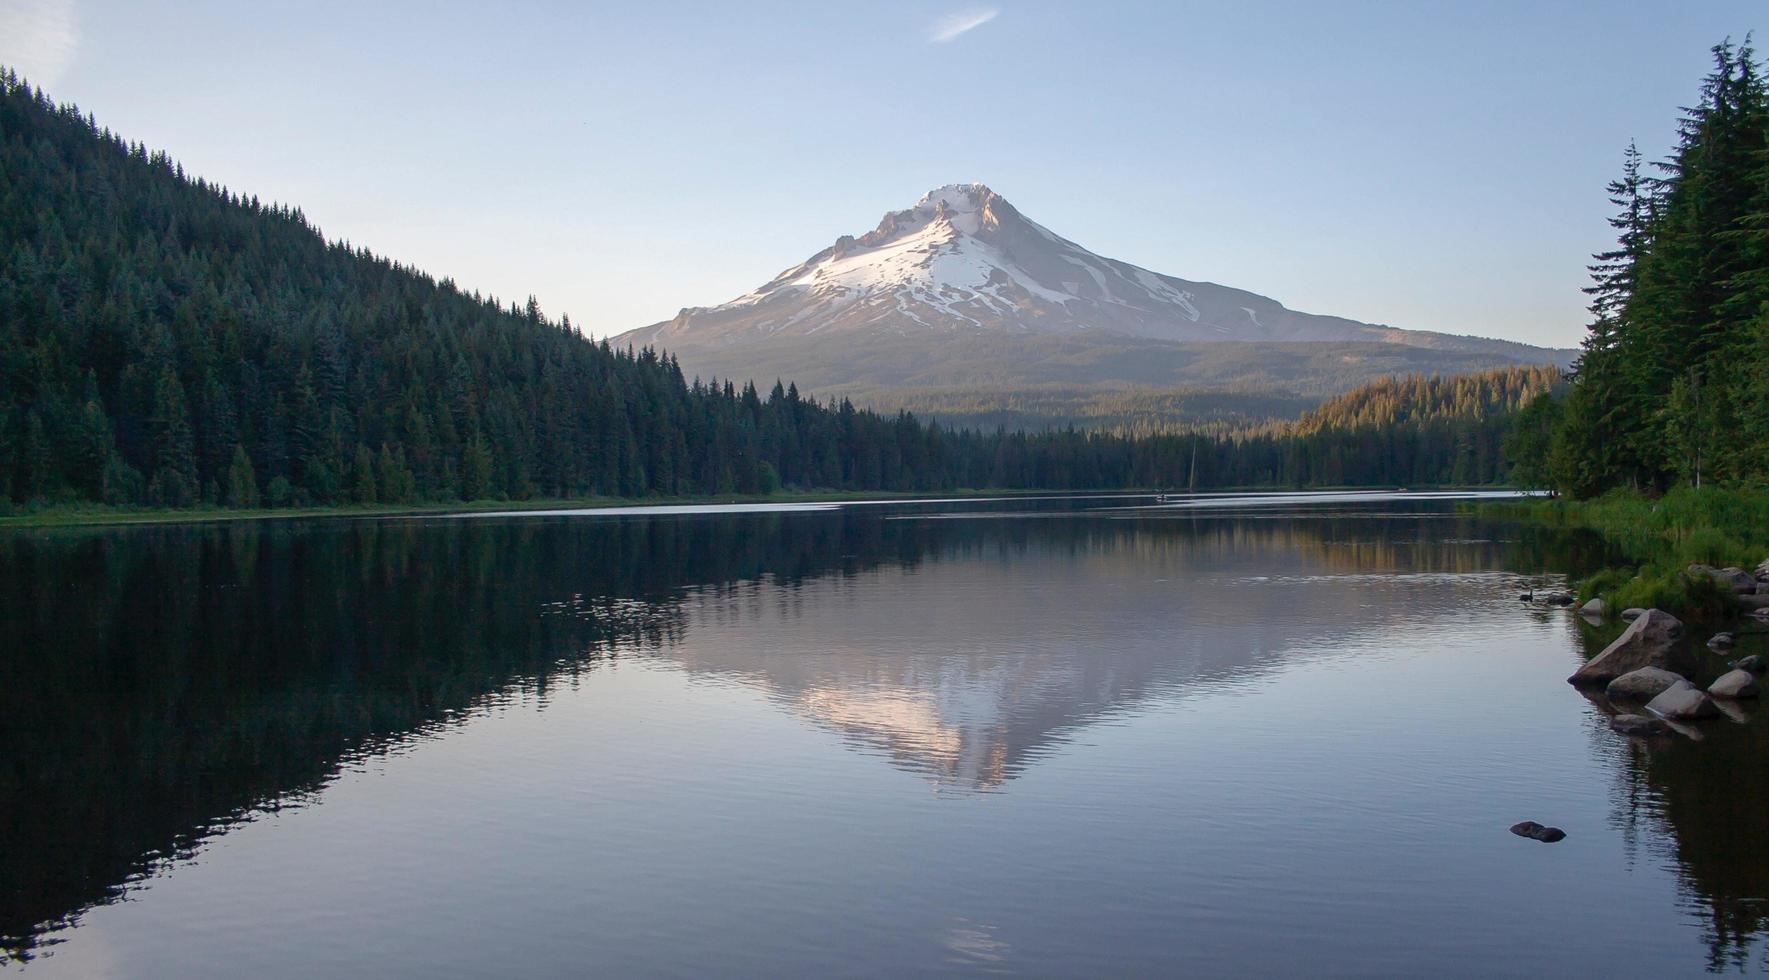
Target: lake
x,y
1075,736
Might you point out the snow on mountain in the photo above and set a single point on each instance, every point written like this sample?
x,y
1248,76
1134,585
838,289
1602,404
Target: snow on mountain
x,y
963,259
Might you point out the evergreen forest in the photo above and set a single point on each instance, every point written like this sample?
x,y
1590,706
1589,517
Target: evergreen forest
x,y
1672,381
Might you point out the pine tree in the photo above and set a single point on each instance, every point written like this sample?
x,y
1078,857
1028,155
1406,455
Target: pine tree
x,y
1585,451
91,448
174,481
1679,319
476,467
1691,418
392,478
39,459
1666,386
242,481
362,479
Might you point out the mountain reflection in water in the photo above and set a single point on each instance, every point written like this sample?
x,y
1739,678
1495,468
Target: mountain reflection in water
x,y
159,685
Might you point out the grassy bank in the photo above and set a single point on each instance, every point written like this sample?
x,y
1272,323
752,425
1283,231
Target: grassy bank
x,y
73,515
1661,537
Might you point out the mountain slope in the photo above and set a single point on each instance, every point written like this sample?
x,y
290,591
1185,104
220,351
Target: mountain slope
x,y
963,289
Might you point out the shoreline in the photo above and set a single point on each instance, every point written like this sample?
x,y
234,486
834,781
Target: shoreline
x,y
100,515
94,515
1664,541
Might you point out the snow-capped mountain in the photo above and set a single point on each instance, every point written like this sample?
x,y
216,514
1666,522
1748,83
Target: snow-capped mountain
x,y
963,259
961,305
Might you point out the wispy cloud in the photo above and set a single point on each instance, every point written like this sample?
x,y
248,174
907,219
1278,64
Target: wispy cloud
x,y
38,38
950,26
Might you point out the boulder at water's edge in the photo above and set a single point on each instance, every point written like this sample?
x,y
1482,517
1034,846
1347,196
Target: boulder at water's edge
x,y
1649,641
1641,685
1683,701
1735,684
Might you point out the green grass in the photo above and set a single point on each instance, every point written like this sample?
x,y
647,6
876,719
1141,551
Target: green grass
x,y
1661,537
72,515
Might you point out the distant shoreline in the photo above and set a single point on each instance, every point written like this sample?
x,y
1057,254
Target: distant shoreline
x,y
92,515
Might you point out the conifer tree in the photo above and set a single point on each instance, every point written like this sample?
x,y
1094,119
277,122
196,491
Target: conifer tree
x,y
1665,390
362,478
476,465
174,480
242,481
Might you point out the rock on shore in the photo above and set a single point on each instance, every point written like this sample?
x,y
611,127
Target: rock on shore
x,y
1736,579
1683,701
1735,684
1649,641
1641,685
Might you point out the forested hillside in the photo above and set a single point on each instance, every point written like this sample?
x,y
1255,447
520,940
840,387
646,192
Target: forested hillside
x,y
1426,400
167,341
1672,382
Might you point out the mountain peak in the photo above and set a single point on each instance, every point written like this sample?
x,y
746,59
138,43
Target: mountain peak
x,y
963,261
957,197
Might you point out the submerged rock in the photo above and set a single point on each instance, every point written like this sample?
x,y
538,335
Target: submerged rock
x,y
1642,685
1649,641
1735,684
1682,701
1638,725
1633,612
1735,710
1535,831
1753,663
1720,641
1592,608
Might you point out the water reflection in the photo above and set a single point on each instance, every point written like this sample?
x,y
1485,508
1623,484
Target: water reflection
x,y
157,685
1701,805
894,661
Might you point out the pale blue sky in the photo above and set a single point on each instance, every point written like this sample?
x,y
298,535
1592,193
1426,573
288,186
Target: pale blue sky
x,y
1430,165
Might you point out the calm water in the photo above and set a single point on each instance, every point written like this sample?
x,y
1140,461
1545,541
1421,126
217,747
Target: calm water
x,y
1061,737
